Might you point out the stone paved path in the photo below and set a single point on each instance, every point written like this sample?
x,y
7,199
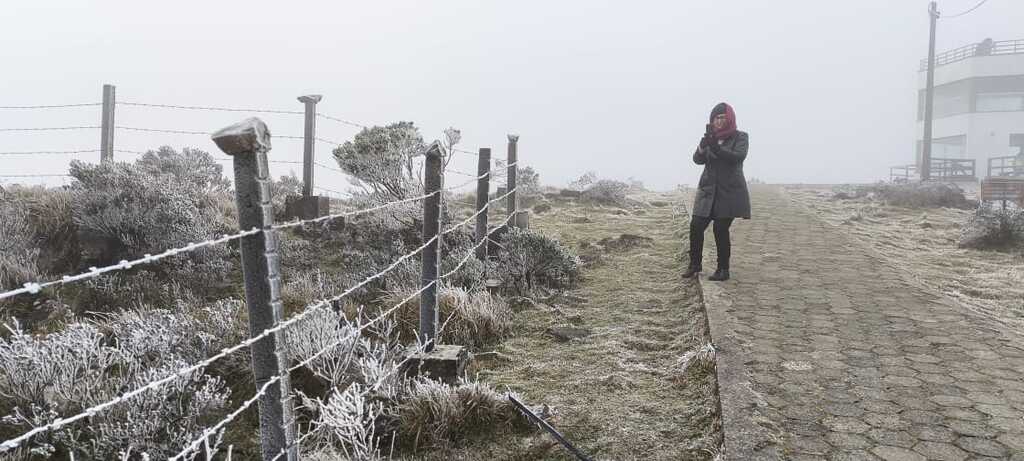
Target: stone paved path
x,y
830,353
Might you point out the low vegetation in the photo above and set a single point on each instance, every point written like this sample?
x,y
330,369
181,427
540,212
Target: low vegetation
x,y
73,346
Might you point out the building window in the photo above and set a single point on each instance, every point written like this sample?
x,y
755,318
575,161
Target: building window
x,y
1000,102
1017,144
948,147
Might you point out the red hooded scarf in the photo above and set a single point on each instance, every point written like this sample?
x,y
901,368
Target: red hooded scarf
x,y
730,121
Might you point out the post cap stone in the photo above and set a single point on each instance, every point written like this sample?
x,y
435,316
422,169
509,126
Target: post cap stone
x,y
433,149
249,135
313,98
513,138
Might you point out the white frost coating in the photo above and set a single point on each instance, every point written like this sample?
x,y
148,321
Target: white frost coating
x,y
263,389
93,272
249,135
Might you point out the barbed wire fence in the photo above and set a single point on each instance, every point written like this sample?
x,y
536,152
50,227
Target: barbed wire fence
x,y
258,242
310,167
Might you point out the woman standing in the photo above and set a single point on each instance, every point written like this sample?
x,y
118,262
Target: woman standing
x,y
722,194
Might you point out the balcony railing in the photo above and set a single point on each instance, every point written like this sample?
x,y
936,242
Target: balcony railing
x,y
1011,166
947,169
975,49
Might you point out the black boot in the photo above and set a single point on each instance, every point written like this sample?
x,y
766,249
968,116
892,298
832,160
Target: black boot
x,y
720,275
692,271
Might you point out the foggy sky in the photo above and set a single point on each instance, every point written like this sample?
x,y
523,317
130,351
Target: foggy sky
x,y
826,89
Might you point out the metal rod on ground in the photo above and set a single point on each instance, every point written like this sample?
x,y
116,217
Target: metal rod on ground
x,y
926,148
513,205
544,424
309,142
107,125
248,143
483,191
431,225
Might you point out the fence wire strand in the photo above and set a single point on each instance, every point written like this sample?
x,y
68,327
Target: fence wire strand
x,y
51,152
215,109
53,128
52,106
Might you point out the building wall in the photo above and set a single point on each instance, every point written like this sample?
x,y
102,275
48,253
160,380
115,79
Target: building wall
x,y
987,134
978,66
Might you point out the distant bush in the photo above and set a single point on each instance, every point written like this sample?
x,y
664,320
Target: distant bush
x,y
530,259
916,195
607,192
583,182
993,228
528,189
381,159
279,192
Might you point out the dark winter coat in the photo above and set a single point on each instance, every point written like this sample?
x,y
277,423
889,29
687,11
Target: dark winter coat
x,y
722,192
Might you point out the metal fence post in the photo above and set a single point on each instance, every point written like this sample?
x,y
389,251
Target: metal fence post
x,y
483,192
309,142
107,125
431,225
248,143
513,205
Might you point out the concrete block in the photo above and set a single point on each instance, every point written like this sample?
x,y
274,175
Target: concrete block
x,y
522,219
445,363
315,206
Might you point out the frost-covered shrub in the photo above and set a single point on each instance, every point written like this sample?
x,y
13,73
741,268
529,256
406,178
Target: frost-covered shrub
x,y
436,414
280,190
916,195
583,182
18,252
528,188
530,259
196,169
123,211
471,319
87,363
381,159
37,235
993,228
607,192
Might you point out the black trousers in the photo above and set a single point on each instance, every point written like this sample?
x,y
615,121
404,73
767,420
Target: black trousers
x,y
697,227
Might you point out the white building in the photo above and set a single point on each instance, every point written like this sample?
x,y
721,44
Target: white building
x,y
978,107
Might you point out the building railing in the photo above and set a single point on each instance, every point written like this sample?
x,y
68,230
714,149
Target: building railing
x,y
953,168
948,169
1009,166
975,49
903,173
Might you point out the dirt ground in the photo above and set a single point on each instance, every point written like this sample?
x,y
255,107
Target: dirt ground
x,y
924,242
620,392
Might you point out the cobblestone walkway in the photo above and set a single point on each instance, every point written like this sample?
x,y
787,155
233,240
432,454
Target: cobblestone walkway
x,y
834,354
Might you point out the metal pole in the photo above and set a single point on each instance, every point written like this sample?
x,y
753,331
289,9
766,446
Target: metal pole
x,y
483,192
513,141
107,125
431,225
248,143
309,142
926,149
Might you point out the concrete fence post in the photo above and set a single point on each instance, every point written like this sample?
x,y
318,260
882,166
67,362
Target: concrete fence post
x,y
107,125
513,204
308,205
431,227
248,142
309,142
483,191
